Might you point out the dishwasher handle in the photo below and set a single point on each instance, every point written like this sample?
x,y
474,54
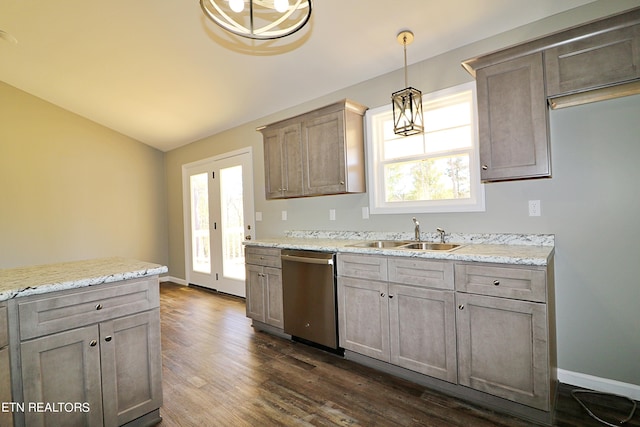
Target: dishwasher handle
x,y
307,260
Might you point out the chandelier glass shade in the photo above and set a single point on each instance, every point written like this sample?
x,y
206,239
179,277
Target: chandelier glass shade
x,y
258,19
407,103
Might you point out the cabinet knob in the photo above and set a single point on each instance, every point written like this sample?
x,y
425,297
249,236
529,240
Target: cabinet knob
x,y
485,167
93,343
390,296
98,306
496,282
382,294
341,182
107,338
461,307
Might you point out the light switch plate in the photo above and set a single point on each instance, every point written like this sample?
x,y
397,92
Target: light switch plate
x,y
258,216
332,214
284,215
534,207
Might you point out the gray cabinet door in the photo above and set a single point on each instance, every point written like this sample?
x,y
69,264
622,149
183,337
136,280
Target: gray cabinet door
x,y
503,348
6,417
323,154
513,120
255,303
63,367
131,367
423,330
283,161
274,314
599,60
363,317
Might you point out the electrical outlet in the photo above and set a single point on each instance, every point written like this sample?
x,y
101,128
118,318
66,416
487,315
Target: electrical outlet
x,y
534,207
258,216
332,214
284,215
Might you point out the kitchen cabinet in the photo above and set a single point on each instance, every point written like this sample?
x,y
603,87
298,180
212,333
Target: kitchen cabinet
x,y
283,161
586,63
512,120
264,286
600,59
96,345
317,153
505,345
399,310
6,417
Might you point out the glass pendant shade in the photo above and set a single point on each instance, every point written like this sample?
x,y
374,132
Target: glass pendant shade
x,y
407,112
258,19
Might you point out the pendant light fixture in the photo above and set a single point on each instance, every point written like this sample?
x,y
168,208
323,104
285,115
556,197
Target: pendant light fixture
x,y
407,103
258,19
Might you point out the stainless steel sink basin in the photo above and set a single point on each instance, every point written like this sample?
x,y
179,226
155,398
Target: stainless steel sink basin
x,y
427,246
381,244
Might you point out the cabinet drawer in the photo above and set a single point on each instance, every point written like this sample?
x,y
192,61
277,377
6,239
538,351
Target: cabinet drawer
x,y
268,257
421,272
509,282
362,267
3,326
45,314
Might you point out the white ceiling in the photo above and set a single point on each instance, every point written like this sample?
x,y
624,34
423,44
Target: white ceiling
x,y
161,73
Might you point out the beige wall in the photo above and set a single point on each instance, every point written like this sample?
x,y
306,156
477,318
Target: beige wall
x,y
71,189
589,203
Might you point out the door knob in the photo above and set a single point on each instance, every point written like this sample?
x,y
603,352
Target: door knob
x,y
247,237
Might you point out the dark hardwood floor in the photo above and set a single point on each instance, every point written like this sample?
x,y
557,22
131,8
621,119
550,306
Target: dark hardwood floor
x,y
217,371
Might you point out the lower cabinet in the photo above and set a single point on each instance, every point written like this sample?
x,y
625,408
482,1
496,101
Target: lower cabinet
x,y
6,417
408,325
264,286
503,348
112,368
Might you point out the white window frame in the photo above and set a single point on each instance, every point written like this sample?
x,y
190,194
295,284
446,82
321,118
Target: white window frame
x,y
375,172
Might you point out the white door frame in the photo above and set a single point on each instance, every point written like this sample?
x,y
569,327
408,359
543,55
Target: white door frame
x,y
188,169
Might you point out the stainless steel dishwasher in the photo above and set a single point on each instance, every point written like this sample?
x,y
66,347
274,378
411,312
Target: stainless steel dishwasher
x,y
309,296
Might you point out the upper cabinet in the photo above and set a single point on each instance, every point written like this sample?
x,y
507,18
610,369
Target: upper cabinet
x,y
512,120
317,153
587,63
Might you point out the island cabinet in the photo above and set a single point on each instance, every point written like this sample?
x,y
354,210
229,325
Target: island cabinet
x,y
264,286
504,332
317,153
97,348
399,310
6,417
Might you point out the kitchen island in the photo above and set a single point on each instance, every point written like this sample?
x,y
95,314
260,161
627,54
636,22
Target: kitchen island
x,y
477,321
83,343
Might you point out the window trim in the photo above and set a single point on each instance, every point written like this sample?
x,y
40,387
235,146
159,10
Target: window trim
x,y
376,185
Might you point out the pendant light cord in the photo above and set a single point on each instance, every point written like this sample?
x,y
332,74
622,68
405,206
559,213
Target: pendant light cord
x,y
633,409
404,44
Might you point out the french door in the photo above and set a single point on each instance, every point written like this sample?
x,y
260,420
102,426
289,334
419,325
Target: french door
x,y
218,214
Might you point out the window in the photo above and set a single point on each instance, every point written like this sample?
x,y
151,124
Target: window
x,y
437,171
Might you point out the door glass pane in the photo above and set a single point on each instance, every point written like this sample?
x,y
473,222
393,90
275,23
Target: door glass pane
x,y
231,203
200,223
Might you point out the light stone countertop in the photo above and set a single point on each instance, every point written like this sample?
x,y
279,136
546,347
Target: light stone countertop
x,y
23,281
516,249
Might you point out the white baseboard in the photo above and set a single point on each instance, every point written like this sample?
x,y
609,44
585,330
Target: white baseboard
x,y
173,280
599,384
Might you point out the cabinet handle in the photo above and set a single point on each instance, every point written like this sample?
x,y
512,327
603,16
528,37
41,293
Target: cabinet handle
x,y
485,167
496,282
98,306
107,338
461,307
93,343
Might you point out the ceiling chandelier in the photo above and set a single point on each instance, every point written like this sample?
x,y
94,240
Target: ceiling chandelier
x,y
407,103
258,19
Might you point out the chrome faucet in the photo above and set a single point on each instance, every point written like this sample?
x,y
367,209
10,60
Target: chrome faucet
x,y
441,231
417,229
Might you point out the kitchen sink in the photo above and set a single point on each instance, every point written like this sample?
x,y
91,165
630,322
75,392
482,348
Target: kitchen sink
x,y
380,244
427,246
406,244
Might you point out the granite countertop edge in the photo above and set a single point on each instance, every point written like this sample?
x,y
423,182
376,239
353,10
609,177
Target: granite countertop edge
x,y
41,279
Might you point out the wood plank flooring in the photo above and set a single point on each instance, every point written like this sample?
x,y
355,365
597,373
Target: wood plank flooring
x,y
217,371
